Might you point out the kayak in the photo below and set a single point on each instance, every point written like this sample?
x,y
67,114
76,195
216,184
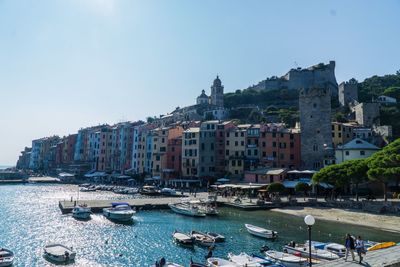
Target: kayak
x,y
381,246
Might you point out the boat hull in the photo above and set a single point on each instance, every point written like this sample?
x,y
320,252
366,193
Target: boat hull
x,y
81,215
315,254
125,217
267,235
382,246
7,259
186,212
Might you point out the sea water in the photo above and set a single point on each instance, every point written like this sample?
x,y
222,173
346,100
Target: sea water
x,y
30,219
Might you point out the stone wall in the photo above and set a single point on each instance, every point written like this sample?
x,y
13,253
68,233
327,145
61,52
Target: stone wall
x,y
315,126
367,114
348,92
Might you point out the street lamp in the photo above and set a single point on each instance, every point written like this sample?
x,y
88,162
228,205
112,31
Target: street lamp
x,y
309,220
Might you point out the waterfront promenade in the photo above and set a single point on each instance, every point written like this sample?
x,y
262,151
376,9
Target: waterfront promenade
x,y
389,257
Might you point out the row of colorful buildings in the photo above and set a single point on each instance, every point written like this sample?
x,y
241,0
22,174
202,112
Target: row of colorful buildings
x,y
183,150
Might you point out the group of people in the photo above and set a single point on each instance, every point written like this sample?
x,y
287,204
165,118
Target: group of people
x,y
352,245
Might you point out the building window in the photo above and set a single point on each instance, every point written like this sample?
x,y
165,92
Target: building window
x,y
291,156
227,152
233,162
362,153
239,163
347,153
273,144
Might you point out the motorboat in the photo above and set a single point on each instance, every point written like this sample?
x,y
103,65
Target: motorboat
x,y
202,239
261,232
286,259
209,210
267,261
59,253
168,192
81,212
336,248
120,211
304,251
149,190
182,239
6,257
217,262
186,209
243,259
217,237
196,264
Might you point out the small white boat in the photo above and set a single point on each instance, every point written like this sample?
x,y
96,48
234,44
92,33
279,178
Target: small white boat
x,y
168,192
81,212
202,239
261,232
183,239
216,262
187,209
6,257
87,189
217,237
149,190
286,259
304,251
244,259
59,253
120,211
209,210
336,248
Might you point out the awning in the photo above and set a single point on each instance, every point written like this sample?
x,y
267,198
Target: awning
x,y
155,178
96,174
223,180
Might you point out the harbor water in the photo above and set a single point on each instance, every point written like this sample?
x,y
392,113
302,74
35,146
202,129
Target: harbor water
x,y
30,218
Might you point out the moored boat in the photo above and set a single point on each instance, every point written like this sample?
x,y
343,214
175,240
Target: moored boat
x,y
149,190
336,248
216,262
168,192
243,259
163,263
87,189
381,246
261,232
185,209
81,212
6,257
303,250
286,259
217,237
120,211
182,239
59,253
202,239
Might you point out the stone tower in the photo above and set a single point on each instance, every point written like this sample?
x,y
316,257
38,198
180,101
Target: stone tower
x,y
348,92
217,93
315,126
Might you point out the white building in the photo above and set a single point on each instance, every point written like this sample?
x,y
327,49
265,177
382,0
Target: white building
x,y
386,99
355,149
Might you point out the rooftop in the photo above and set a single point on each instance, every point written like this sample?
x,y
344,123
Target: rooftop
x,y
358,144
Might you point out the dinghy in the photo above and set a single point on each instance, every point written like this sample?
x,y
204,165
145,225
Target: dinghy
x,y
6,257
186,209
182,239
286,259
163,263
381,246
202,239
336,248
244,259
81,212
59,253
120,211
261,232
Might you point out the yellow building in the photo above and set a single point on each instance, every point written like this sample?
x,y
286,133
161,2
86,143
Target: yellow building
x,y
190,152
342,133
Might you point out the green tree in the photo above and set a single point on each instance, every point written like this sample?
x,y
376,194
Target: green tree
x,y
393,91
302,187
384,166
335,175
356,171
276,188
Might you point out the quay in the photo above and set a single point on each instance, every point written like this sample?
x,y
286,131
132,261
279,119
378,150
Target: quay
x,y
389,257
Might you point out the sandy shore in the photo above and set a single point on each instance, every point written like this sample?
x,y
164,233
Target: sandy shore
x,y
383,222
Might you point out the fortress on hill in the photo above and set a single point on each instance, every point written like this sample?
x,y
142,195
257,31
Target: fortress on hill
x,y
320,75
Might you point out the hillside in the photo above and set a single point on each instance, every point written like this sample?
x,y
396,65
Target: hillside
x,y
282,104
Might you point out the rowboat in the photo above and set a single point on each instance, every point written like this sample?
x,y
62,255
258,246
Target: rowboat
x,y
261,232
304,251
59,253
217,237
217,262
381,246
6,257
186,209
286,259
182,239
202,239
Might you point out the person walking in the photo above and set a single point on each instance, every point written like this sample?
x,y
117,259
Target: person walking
x,y
360,247
349,244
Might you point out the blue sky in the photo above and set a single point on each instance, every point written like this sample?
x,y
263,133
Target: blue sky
x,y
70,64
